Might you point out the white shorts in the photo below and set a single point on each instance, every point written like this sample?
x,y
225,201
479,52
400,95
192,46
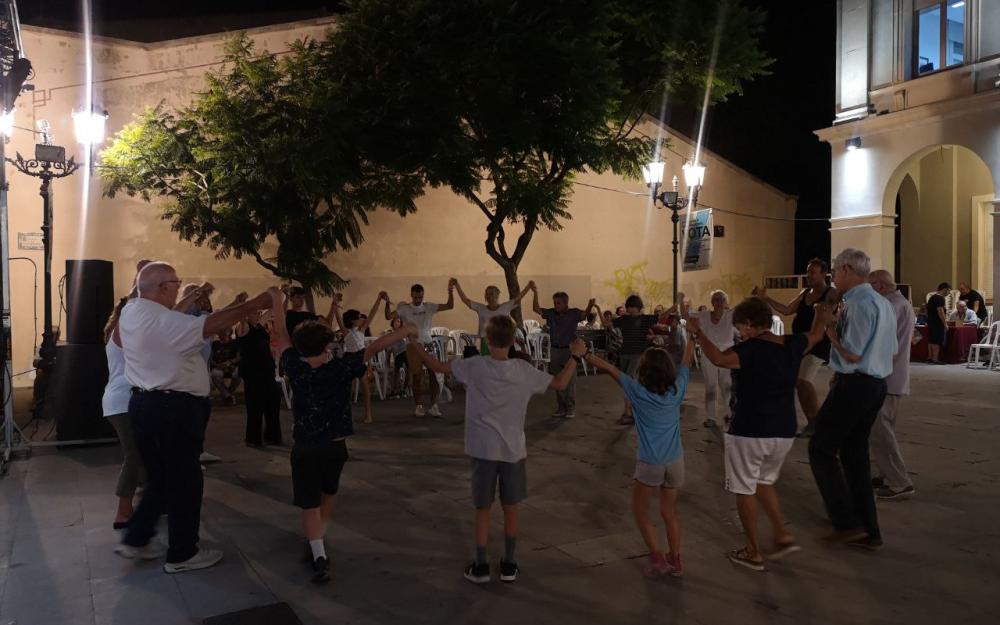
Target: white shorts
x,y
752,461
809,367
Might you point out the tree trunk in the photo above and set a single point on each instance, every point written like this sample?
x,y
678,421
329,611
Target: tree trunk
x,y
513,289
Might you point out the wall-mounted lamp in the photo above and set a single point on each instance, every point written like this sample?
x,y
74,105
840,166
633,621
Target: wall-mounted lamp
x,y
852,144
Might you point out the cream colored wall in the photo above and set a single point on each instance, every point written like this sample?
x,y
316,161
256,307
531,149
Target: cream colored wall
x,y
615,243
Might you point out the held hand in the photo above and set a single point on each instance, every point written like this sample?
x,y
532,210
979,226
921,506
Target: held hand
x,y
694,325
206,288
592,302
759,291
578,347
531,285
276,296
284,288
382,295
243,297
824,314
831,333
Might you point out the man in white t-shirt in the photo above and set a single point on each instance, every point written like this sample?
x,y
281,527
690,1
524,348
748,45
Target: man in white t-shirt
x,y
421,314
497,392
167,410
490,309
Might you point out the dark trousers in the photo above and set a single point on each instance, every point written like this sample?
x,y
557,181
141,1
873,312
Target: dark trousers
x,y
842,428
169,430
263,402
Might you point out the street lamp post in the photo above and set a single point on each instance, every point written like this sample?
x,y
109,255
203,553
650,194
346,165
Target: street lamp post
x,y
694,176
49,163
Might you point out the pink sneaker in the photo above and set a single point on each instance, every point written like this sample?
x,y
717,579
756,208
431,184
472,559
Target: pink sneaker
x,y
674,567
656,566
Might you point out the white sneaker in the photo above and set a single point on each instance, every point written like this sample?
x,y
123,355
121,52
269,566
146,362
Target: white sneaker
x,y
207,457
201,560
559,413
434,411
153,550
569,415
420,410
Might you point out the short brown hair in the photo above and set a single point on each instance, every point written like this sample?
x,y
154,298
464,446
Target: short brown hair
x,y
754,312
657,371
500,331
311,338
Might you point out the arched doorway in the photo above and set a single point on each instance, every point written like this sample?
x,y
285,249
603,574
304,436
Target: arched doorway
x,y
938,198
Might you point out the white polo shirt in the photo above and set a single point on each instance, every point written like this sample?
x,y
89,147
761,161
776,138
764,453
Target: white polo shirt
x,y
163,348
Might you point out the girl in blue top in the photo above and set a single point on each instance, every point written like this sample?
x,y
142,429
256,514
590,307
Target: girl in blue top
x,y
656,394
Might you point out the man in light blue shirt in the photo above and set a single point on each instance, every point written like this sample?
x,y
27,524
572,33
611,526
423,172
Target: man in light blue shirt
x,y
864,344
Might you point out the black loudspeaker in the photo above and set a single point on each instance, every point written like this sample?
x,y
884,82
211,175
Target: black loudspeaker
x,y
90,297
73,396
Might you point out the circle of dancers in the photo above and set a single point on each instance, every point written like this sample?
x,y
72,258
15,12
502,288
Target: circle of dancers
x,y
167,347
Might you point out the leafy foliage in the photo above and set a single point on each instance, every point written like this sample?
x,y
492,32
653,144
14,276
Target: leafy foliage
x,y
263,152
523,96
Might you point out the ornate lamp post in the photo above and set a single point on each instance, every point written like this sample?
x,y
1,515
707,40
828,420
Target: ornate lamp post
x,y
49,163
694,177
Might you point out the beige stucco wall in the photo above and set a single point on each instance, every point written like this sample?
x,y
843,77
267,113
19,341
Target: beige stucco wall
x,y
616,242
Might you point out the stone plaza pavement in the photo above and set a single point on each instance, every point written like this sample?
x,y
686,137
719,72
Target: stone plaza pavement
x,y
402,529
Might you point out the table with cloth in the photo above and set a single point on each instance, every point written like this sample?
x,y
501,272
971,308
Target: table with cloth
x,y
957,342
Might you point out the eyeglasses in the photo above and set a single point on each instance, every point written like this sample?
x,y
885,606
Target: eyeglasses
x,y
170,282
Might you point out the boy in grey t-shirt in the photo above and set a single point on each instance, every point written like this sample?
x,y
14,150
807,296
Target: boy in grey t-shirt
x,y
497,391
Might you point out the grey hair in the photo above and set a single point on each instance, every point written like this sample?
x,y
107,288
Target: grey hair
x,y
883,277
712,295
151,275
855,260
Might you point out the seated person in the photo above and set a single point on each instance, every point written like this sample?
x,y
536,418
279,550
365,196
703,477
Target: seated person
x,y
921,315
963,315
223,363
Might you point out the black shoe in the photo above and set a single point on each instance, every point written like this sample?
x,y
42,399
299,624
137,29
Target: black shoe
x,y
508,571
321,571
878,482
869,543
478,573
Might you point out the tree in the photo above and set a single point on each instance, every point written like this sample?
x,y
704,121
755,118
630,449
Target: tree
x,y
523,96
264,153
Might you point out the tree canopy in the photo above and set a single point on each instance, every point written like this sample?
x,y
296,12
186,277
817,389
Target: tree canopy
x,y
264,151
519,97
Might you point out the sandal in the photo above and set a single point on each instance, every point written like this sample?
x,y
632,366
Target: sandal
x,y
782,550
742,557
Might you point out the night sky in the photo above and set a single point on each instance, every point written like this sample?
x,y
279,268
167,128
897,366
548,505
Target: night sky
x,y
768,131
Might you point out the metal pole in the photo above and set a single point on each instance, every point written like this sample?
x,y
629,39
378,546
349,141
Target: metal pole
x,y
674,217
47,352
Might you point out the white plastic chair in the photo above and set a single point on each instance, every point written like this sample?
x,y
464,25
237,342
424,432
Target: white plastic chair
x,y
439,347
540,349
456,336
285,391
777,325
530,325
990,346
439,331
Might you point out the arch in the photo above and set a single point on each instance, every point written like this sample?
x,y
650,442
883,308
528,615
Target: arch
x,y
931,198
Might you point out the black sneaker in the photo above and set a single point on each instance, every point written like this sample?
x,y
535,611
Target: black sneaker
x,y
321,570
478,573
868,543
878,482
508,571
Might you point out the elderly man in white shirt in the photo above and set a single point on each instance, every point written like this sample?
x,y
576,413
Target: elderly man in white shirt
x,y
894,481
167,410
963,315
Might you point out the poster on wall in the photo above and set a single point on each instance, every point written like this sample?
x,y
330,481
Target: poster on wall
x,y
698,241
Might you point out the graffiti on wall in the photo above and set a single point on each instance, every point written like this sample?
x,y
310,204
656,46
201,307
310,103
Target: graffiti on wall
x,y
736,285
633,279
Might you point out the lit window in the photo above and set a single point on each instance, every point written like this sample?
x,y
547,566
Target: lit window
x,y
929,40
940,36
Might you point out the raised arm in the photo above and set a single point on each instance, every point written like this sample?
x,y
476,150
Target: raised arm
x,y
523,292
451,298
461,294
534,301
727,359
182,304
821,321
602,365
781,309
223,319
591,305
371,314
388,340
688,358
334,313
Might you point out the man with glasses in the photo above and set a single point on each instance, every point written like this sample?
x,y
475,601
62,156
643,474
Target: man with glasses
x,y
864,344
167,410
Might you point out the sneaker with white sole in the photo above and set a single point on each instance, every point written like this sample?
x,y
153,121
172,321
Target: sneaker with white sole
x,y
888,493
434,411
204,559
508,571
559,413
153,550
478,572
420,410
569,415
207,457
